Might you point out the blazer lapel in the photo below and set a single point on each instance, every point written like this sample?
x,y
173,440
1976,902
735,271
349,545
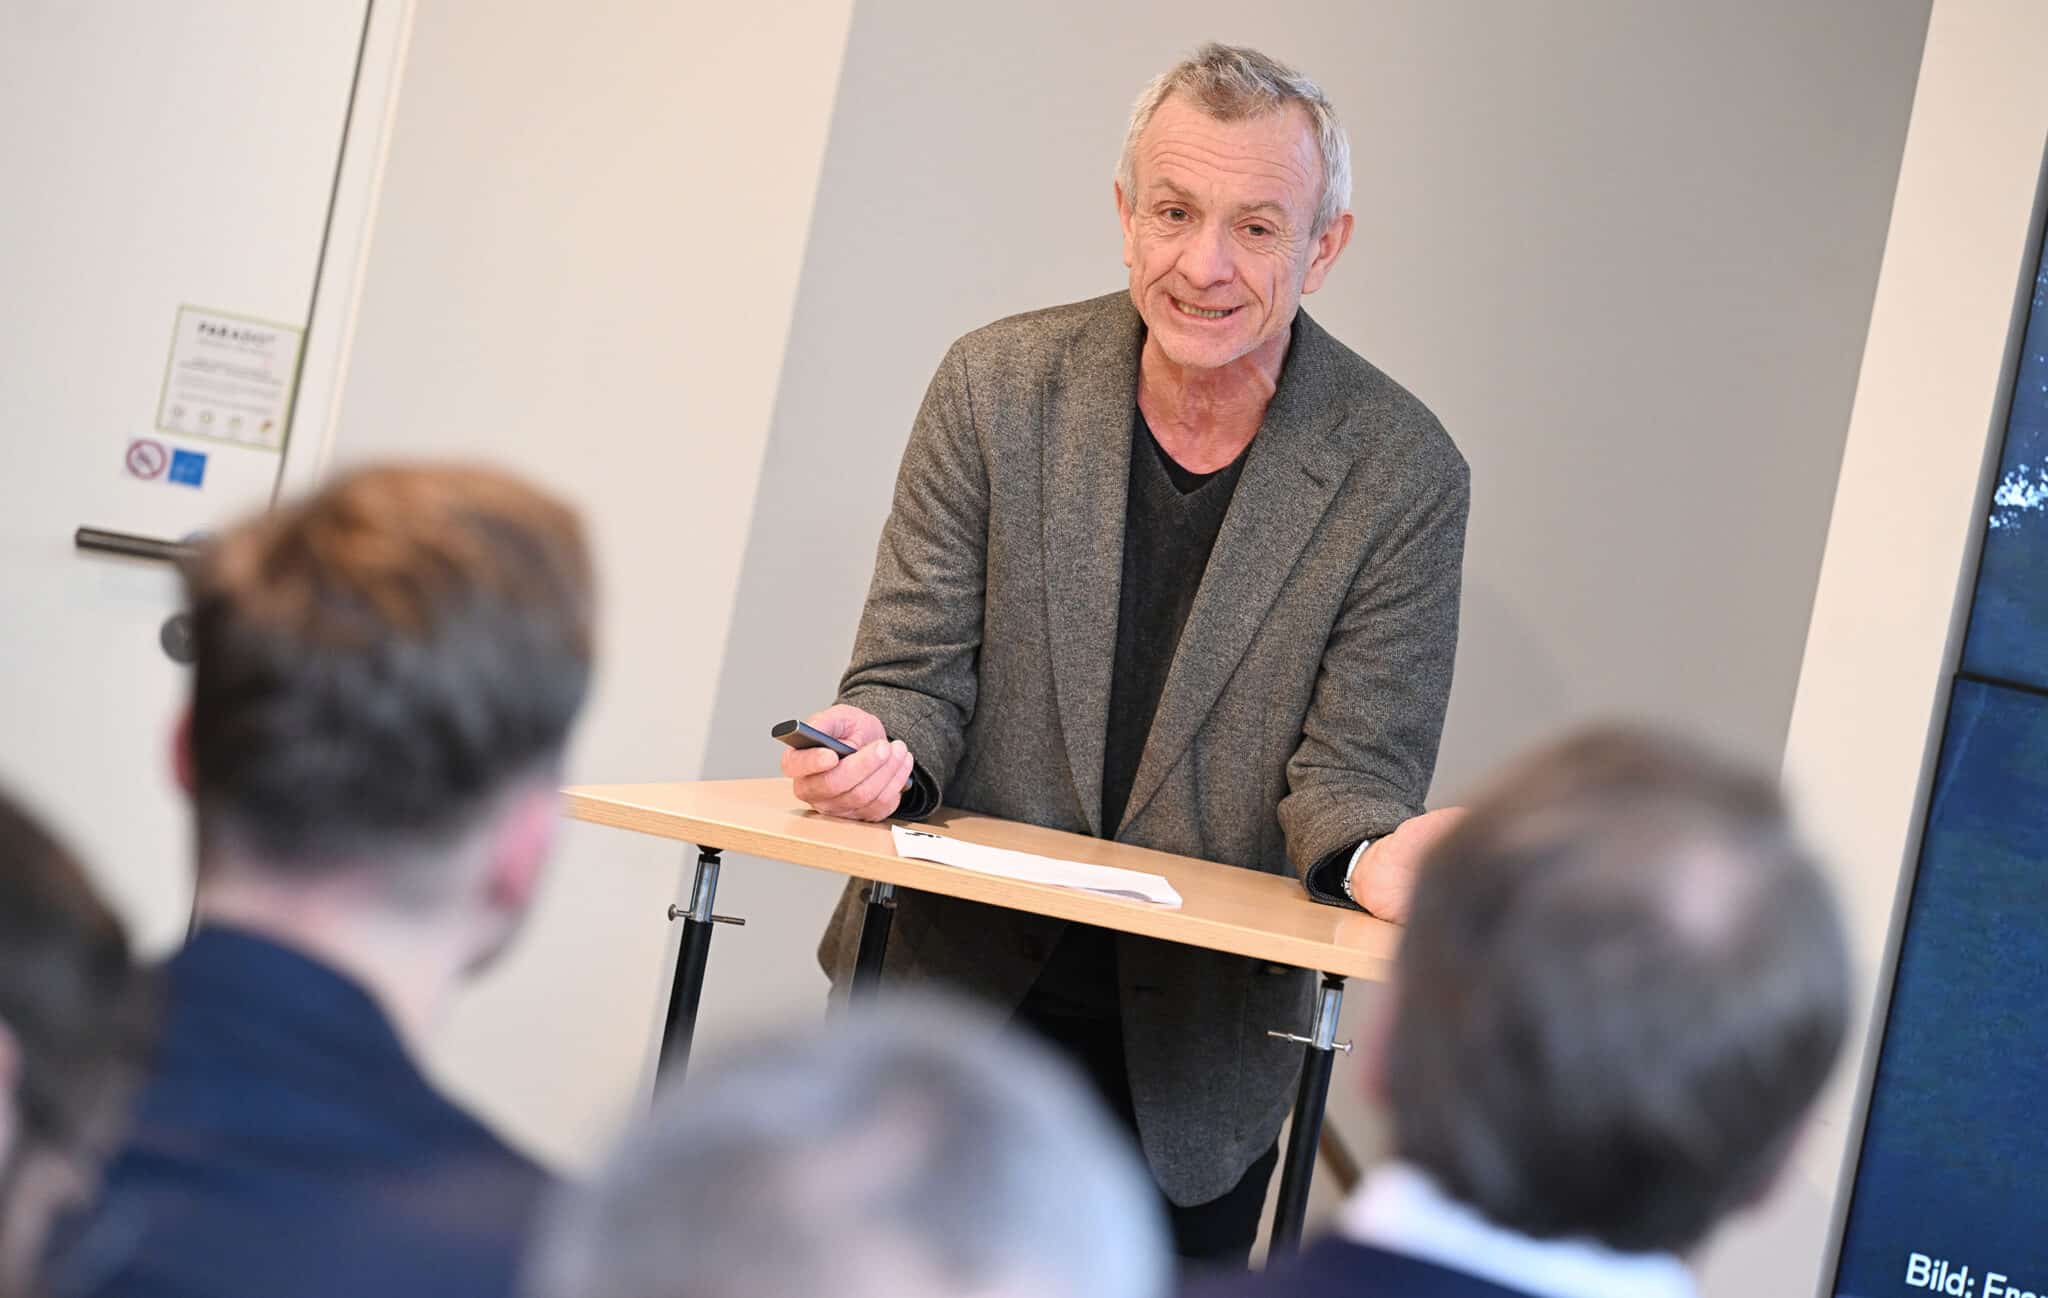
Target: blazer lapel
x,y
1294,469
1084,480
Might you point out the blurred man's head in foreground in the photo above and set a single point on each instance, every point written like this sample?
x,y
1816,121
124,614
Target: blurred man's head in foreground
x,y
385,678
1623,984
916,1152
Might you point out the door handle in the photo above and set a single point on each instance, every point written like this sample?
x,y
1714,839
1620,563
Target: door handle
x,y
175,635
135,547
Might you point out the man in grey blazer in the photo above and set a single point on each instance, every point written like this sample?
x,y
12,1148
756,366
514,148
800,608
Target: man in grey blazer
x,y
1174,567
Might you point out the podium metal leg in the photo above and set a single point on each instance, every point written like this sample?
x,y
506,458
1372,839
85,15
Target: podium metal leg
x,y
680,1024
874,942
1299,1166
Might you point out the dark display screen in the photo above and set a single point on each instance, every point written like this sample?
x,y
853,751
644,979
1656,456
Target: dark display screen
x,y
1951,1190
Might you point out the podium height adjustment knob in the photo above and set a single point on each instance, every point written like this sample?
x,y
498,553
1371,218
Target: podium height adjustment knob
x,y
677,912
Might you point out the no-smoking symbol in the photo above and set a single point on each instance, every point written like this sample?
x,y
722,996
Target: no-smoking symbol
x,y
146,458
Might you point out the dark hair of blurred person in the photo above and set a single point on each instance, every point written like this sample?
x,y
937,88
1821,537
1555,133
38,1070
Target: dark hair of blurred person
x,y
917,1151
385,679
72,1013
1623,984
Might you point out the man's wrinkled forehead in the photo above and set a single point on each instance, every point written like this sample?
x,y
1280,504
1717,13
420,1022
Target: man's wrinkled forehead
x,y
1183,147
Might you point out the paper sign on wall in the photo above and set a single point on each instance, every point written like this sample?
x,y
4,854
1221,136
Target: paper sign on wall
x,y
230,379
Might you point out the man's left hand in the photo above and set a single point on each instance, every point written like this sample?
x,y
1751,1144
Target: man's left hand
x,y
1384,882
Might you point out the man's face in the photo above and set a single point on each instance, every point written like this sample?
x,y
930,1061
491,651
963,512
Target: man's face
x,y
1216,231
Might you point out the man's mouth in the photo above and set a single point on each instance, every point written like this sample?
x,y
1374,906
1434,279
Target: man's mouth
x,y
1202,312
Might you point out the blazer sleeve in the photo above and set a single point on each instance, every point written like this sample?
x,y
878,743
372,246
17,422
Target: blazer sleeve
x,y
1369,743
914,659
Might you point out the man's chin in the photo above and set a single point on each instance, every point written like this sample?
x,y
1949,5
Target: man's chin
x,y
1209,349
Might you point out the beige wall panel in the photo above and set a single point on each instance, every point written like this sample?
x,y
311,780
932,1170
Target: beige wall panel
x,y
585,269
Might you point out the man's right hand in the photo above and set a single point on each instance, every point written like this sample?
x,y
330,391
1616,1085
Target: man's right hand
x,y
865,785
1384,882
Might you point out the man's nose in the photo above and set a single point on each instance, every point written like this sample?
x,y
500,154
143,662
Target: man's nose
x,y
1205,259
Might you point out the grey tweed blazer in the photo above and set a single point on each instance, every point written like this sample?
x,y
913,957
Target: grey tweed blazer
x,y
1301,712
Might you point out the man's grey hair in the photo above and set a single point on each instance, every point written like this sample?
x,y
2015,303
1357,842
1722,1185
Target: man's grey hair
x,y
1232,83
917,1152
1623,983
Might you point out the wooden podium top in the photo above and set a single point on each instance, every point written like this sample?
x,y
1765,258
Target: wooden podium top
x,y
1224,908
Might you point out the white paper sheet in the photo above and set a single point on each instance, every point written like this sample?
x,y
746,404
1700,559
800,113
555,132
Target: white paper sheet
x,y
1108,880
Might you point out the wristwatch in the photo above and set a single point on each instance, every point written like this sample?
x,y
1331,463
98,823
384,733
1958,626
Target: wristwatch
x,y
1349,867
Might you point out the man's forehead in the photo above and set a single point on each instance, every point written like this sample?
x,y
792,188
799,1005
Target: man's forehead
x,y
1183,144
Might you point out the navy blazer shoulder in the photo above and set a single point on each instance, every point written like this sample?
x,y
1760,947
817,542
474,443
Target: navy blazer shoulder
x,y
1338,1268
284,1142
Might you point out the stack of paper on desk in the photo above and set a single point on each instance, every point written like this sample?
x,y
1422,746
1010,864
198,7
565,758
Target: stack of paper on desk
x,y
1132,885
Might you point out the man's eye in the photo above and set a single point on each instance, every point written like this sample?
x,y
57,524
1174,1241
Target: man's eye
x,y
1258,231
1176,214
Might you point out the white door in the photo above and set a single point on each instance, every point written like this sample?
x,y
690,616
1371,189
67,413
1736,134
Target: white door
x,y
187,190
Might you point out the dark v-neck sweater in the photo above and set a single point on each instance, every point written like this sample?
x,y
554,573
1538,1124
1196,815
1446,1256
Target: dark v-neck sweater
x,y
1171,519
1172,516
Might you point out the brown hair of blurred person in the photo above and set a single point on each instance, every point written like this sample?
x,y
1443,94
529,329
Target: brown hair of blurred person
x,y
375,663
1622,986
71,1018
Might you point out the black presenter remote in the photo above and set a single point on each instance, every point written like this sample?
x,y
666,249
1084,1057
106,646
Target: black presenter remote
x,y
798,735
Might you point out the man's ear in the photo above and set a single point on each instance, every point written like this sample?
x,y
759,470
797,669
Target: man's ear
x,y
181,750
1123,216
1329,246
521,845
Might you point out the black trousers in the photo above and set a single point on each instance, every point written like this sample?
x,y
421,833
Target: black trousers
x,y
1213,1235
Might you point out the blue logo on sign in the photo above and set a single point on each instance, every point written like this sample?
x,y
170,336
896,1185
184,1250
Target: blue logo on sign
x,y
188,468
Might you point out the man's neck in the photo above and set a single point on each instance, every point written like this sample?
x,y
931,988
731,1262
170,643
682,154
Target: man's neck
x,y
1205,418
408,968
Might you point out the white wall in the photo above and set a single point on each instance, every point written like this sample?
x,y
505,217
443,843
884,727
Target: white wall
x,y
1908,517
585,265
